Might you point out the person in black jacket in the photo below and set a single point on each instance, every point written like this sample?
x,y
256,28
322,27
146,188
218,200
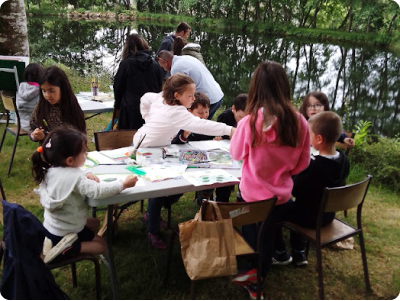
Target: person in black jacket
x,y
328,169
138,74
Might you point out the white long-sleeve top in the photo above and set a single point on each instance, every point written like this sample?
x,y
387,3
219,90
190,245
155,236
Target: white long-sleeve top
x,y
62,194
163,122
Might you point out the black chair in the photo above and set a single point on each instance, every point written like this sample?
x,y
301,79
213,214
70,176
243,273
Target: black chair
x,y
60,263
333,200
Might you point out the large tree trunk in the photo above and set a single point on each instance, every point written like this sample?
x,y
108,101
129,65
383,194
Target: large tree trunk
x,y
13,30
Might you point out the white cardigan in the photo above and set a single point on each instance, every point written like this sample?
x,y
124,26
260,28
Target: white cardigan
x,y
163,122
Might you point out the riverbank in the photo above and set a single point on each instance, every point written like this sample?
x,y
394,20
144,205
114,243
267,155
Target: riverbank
x,y
390,41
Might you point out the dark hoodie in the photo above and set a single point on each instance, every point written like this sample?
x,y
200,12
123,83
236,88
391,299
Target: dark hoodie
x,y
137,75
309,187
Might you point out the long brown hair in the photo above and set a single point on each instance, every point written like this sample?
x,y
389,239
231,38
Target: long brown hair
x,y
134,43
270,90
71,111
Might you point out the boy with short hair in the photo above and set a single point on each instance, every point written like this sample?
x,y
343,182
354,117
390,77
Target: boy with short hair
x,y
200,108
328,169
233,115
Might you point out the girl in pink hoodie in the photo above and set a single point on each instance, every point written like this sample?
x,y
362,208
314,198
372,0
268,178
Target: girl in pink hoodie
x,y
274,143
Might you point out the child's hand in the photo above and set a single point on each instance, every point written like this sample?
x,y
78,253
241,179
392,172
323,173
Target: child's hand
x,y
350,142
232,131
130,181
38,134
93,177
218,138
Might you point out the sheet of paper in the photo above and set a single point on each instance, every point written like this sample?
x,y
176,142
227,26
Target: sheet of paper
x,y
208,177
117,154
211,144
100,159
161,172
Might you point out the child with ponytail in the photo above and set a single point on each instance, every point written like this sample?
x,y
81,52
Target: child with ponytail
x,y
63,189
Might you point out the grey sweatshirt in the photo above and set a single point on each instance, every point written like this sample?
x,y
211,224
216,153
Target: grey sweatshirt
x,y
27,98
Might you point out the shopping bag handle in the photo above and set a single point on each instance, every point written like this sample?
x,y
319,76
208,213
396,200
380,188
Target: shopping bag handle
x,y
217,216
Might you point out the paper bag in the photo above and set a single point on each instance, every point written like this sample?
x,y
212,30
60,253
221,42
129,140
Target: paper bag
x,y
208,247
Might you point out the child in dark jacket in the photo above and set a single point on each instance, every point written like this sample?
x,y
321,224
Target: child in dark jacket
x,y
329,169
231,117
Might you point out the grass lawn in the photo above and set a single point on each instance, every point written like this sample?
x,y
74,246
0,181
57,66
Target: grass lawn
x,y
140,268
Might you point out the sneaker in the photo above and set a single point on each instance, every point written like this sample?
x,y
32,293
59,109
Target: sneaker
x,y
246,277
163,225
281,258
47,245
252,289
299,258
156,241
64,244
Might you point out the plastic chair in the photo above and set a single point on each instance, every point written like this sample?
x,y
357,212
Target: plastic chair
x,y
72,261
333,200
10,105
249,213
344,145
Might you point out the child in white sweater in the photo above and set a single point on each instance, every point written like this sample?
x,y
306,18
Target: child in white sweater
x,y
63,189
165,114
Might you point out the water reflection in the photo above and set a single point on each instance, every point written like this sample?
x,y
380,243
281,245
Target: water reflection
x,y
361,83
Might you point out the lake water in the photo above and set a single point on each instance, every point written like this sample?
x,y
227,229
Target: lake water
x,y
361,83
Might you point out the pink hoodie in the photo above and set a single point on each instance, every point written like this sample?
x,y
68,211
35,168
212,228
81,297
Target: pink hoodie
x,y
268,168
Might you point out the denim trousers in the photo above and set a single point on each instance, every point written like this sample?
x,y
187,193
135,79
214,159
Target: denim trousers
x,y
154,206
214,107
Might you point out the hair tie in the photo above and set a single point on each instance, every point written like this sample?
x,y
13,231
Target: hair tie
x,y
48,145
40,149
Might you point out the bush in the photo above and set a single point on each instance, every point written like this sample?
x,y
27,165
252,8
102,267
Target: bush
x,y
379,157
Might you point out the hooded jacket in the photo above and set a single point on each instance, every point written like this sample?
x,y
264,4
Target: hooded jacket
x,y
193,49
27,98
62,194
309,187
137,75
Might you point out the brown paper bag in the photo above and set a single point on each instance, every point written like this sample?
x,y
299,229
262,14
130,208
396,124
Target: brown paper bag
x,y
208,247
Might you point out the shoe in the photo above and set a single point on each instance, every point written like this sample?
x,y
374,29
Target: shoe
x,y
163,225
281,258
63,245
252,289
156,241
245,278
299,258
47,245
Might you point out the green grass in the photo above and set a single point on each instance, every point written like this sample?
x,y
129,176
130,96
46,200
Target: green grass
x,y
140,268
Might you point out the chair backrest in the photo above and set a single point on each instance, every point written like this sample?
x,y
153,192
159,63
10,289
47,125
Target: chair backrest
x,y
8,103
345,197
344,145
241,213
113,139
10,82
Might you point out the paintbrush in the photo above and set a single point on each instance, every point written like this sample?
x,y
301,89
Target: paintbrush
x,y
140,142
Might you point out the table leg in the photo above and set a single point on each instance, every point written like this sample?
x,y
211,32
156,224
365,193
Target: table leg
x,y
109,235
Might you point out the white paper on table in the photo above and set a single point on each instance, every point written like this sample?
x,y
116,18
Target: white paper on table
x,y
211,144
208,177
161,172
118,153
100,159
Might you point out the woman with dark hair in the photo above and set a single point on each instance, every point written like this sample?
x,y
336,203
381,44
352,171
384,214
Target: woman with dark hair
x,y
181,47
57,105
138,74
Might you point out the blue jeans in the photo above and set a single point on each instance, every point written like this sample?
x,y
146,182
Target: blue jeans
x,y
154,211
214,107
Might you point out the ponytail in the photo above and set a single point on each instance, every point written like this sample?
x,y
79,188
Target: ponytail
x,y
39,165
